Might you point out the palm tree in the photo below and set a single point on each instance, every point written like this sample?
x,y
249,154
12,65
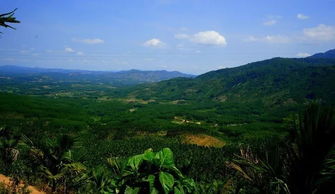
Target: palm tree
x,y
55,161
8,146
261,170
8,18
313,141
307,162
99,181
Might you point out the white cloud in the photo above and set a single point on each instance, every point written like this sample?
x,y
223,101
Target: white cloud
x,y
205,37
269,39
80,53
252,39
155,42
209,37
221,67
69,50
320,32
302,16
302,55
276,39
181,36
90,41
270,22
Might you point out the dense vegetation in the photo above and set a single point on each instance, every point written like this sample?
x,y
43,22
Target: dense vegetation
x,y
272,82
66,135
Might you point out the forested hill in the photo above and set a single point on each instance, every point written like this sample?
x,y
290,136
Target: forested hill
x,y
273,81
120,78
328,55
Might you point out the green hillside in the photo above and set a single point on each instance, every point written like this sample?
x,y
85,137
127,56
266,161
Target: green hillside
x,y
232,130
273,81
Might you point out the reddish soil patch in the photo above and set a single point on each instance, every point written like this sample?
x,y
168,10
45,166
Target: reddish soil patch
x,y
202,140
6,180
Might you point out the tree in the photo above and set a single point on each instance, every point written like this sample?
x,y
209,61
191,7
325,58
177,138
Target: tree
x,y
262,170
55,162
312,149
308,161
8,146
8,18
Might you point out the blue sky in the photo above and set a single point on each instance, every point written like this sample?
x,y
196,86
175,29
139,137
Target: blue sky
x,y
192,36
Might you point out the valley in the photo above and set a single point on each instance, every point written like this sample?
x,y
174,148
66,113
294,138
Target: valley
x,y
205,120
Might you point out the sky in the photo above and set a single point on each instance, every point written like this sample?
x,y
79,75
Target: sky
x,y
191,36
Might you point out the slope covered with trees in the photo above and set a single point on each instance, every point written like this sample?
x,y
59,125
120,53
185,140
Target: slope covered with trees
x,y
274,81
94,138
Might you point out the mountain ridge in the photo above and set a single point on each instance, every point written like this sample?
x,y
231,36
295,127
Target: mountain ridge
x,y
272,81
328,54
118,78
11,68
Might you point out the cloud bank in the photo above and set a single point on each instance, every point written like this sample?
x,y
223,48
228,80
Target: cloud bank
x,y
270,22
303,55
69,50
155,42
90,41
277,39
205,38
321,32
301,16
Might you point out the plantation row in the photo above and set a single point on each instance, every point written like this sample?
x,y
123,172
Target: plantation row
x,y
82,162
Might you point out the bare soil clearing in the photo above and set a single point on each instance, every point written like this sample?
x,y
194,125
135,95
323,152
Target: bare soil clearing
x,y
6,180
202,140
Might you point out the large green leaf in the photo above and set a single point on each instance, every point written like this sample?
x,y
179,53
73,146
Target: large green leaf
x,y
167,181
148,155
177,172
135,161
178,190
154,191
188,185
164,158
130,190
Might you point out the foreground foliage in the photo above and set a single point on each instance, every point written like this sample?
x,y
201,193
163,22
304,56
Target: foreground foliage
x,y
303,165
64,148
149,172
8,18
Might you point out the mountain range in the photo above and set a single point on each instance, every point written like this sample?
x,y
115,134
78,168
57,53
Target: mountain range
x,y
119,78
272,81
327,54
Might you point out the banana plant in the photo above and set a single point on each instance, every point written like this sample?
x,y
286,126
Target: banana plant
x,y
150,172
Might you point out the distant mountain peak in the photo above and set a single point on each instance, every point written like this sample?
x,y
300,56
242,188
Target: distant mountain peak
x,y
119,78
330,54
